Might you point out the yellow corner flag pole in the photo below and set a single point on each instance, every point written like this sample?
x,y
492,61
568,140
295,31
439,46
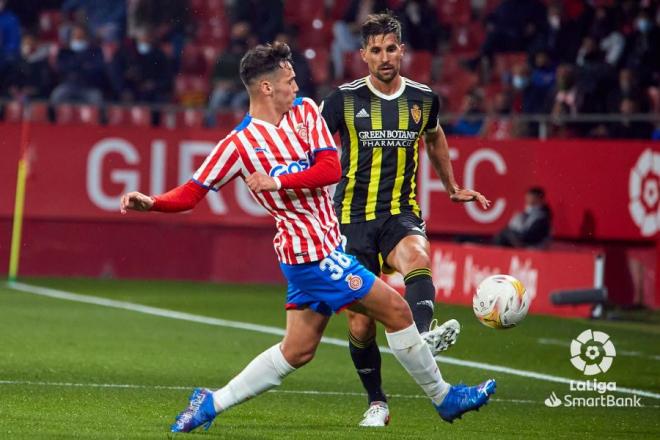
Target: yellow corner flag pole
x,y
19,203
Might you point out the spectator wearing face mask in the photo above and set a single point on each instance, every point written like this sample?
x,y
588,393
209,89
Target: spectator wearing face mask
x,y
32,75
562,36
643,49
81,71
141,72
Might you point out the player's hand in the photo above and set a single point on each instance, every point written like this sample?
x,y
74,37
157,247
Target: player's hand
x,y
468,195
135,201
259,182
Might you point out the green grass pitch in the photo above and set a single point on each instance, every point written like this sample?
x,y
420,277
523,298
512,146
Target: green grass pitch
x,y
76,370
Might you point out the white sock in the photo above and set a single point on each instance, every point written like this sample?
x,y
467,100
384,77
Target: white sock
x,y
266,371
415,356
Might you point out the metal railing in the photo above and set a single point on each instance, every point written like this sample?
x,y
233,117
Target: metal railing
x,y
13,111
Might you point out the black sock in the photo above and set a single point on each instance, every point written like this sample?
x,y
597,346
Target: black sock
x,y
420,294
366,358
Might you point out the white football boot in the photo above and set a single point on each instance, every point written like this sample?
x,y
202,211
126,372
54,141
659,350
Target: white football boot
x,y
378,415
440,337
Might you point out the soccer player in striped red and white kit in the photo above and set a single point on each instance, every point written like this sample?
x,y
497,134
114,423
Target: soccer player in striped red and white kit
x,y
284,152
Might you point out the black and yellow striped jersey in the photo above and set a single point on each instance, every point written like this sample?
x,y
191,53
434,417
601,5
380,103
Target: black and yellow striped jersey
x,y
379,138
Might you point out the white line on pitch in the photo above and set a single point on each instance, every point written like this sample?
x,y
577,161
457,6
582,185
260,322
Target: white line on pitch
x,y
60,294
180,387
619,352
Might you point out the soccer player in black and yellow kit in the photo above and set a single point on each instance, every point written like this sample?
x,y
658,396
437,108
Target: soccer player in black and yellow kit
x,y
381,119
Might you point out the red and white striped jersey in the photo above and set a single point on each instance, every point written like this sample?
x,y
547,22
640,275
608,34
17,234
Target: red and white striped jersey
x,y
307,228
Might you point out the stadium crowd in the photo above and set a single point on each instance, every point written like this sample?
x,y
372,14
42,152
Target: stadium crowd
x,y
490,61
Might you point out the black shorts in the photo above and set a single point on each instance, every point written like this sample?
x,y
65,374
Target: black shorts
x,y
372,241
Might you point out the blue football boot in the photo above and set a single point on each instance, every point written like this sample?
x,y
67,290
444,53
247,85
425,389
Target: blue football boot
x,y
199,412
461,399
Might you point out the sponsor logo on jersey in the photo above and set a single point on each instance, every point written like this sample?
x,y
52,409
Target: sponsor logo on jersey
x,y
362,114
291,168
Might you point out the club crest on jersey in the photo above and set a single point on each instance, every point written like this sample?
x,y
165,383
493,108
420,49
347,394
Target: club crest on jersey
x,y
301,129
293,167
416,113
354,281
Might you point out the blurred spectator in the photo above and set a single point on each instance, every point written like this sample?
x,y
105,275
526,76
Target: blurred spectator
x,y
303,70
10,43
347,31
105,19
628,87
627,129
532,226
28,11
611,40
81,71
228,91
562,36
141,71
265,16
514,26
32,76
500,123
595,78
541,84
471,119
420,26
563,101
169,20
643,49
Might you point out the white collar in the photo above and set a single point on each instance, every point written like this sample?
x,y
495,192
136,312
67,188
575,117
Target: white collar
x,y
381,94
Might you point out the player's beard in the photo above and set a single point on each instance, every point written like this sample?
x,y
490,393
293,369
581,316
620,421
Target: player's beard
x,y
386,76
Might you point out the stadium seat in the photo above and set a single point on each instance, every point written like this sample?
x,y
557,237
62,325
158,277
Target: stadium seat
x,y
77,114
302,13
418,66
139,116
452,12
211,54
117,115
319,62
467,37
49,24
190,118
13,111
338,9
214,31
193,60
354,67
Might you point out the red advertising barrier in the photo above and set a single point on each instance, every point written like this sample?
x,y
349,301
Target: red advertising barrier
x,y
597,189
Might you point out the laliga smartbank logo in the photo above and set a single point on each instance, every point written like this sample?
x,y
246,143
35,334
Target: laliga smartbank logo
x,y
592,352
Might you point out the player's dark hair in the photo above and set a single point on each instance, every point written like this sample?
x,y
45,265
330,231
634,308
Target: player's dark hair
x,y
380,24
264,59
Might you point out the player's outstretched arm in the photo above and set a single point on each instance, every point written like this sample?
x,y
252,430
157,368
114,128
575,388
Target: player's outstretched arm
x,y
135,201
182,198
438,151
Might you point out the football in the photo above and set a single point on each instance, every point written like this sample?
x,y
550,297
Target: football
x,y
501,301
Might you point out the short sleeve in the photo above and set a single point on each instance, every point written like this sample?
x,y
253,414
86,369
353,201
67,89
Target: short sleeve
x,y
332,109
318,133
219,167
433,123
